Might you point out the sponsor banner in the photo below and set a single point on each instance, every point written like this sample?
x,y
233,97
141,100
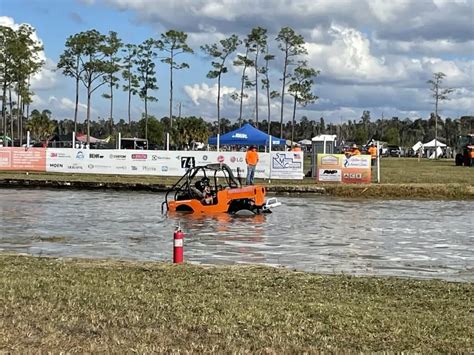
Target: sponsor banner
x,y
27,159
146,162
287,165
330,175
357,161
278,165
284,165
235,161
354,176
345,169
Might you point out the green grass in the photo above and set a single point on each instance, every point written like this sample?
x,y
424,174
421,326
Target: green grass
x,y
412,171
54,305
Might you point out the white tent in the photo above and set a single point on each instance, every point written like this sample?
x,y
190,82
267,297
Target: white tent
x,y
433,144
305,142
417,146
324,138
434,149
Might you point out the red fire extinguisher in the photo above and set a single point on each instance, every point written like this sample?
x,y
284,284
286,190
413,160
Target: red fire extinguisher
x,y
178,242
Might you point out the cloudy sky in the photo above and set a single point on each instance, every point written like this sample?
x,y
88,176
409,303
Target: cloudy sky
x,y
373,55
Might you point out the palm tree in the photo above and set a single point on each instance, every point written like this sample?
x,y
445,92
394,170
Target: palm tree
x,y
40,125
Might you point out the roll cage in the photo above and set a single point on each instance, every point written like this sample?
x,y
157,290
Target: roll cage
x,y
219,175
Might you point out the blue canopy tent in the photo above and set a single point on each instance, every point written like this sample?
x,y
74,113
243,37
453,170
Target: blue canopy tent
x,y
246,135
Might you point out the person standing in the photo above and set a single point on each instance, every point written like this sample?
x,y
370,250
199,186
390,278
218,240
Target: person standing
x,y
373,154
354,150
251,158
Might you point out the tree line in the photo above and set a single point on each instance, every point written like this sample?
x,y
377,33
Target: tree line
x,y
95,60
19,61
188,130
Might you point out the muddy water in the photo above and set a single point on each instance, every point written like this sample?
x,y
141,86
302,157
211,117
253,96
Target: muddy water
x,y
423,239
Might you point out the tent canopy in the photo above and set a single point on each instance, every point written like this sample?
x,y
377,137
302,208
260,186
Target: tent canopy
x,y
324,137
245,135
432,144
83,138
305,142
417,146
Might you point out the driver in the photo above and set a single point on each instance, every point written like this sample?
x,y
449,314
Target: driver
x,y
207,194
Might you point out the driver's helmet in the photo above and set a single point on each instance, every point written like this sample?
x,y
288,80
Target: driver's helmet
x,y
205,181
198,185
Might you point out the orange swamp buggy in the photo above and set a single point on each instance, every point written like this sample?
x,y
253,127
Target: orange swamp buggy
x,y
213,188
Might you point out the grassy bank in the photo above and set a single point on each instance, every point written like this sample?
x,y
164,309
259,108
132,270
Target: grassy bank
x,y
83,306
400,178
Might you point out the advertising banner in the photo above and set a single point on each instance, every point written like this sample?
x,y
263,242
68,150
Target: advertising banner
x,y
345,169
27,159
278,165
146,162
287,165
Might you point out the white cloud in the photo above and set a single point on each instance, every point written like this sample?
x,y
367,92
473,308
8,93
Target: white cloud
x,y
373,54
61,107
65,103
348,57
204,98
203,92
387,11
46,78
37,101
8,22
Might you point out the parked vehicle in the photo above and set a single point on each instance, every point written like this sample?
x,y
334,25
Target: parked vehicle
x,y
134,143
394,151
466,143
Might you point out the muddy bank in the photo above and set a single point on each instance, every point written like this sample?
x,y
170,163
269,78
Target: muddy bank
x,y
89,185
372,191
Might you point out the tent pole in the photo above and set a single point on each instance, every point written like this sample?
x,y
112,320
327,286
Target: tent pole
x,y
218,141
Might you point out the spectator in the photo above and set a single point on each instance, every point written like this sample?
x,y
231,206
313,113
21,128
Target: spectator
x,y
251,158
354,150
373,153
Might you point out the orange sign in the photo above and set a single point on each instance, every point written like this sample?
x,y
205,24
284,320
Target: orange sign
x,y
29,159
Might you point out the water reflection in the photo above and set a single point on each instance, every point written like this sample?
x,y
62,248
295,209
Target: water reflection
x,y
230,239
426,239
